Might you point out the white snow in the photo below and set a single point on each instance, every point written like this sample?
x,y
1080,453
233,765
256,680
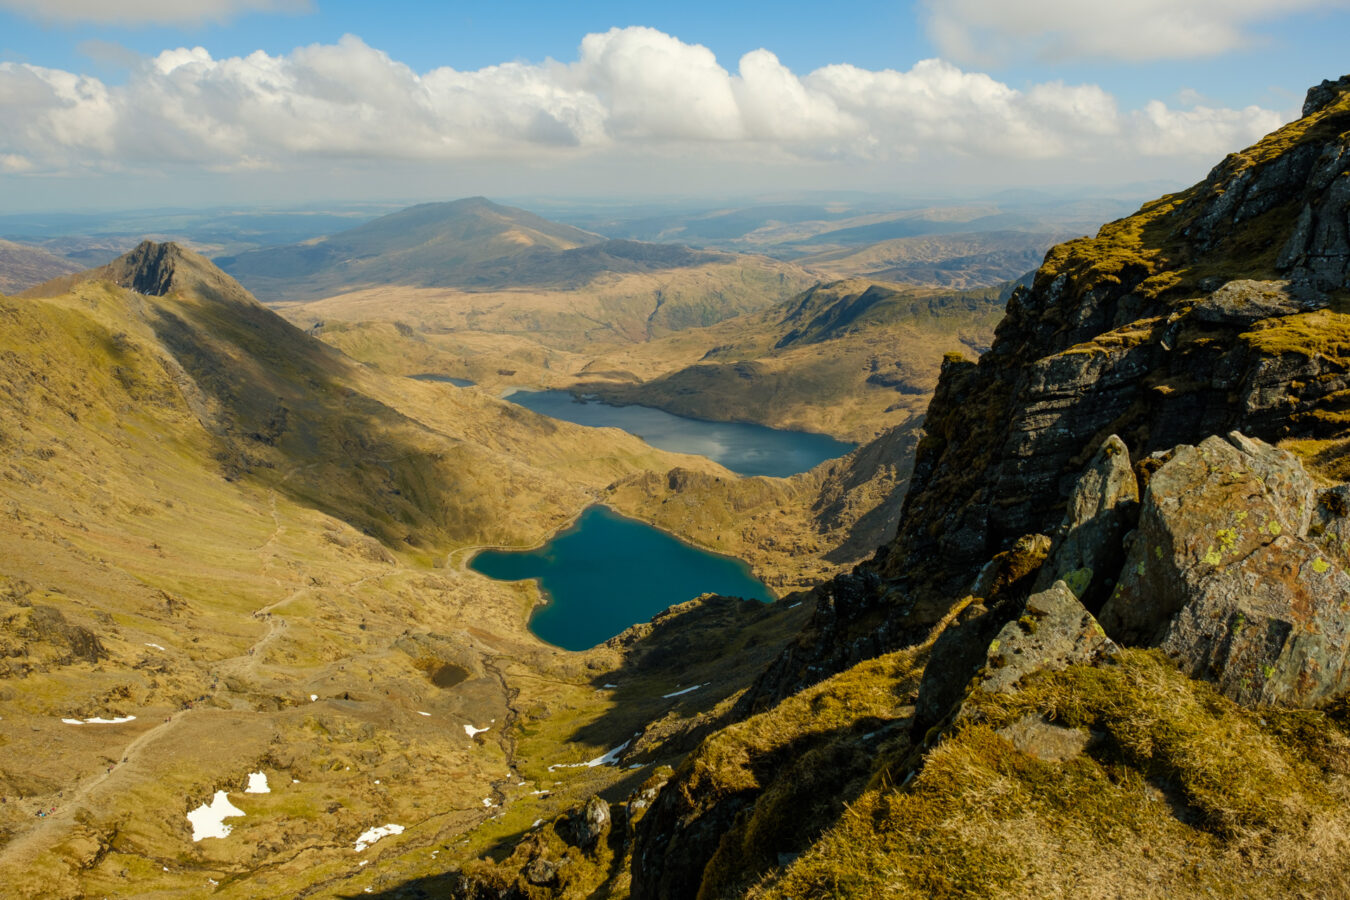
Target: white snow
x,y
685,691
487,801
364,862
611,685
420,713
537,822
99,720
795,605
471,731
156,646
209,820
313,697
257,783
602,760
371,835
636,765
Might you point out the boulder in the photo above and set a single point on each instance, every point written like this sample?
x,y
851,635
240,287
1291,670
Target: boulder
x,y
1226,575
1055,632
1102,508
585,825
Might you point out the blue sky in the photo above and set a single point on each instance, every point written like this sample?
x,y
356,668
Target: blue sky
x,y
1034,91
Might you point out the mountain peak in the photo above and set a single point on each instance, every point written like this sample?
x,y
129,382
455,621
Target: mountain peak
x,y
150,268
1322,95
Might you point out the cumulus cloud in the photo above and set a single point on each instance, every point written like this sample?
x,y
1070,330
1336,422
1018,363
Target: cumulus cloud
x,y
632,90
987,32
147,12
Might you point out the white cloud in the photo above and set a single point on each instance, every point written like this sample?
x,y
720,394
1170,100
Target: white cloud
x,y
147,12
988,32
632,91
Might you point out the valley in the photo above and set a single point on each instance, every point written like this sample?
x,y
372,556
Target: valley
x,y
217,525
267,626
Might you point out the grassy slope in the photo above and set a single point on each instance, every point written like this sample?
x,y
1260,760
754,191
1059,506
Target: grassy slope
x,y
157,500
850,358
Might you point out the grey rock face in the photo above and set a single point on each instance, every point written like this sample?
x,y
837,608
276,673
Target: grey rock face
x,y
1225,576
1055,632
1101,509
584,826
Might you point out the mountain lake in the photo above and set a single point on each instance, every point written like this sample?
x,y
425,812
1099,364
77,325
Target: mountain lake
x,y
743,448
606,572
446,379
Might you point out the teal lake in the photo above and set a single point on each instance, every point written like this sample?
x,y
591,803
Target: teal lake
x,y
743,448
607,572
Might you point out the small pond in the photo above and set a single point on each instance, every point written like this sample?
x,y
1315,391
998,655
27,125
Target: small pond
x,y
607,572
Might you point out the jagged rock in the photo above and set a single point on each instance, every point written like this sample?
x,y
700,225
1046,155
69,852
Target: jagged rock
x,y
1224,576
1056,631
960,650
1101,509
584,826
1244,302
1320,95
1008,568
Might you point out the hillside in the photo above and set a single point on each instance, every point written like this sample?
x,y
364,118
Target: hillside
x,y
955,261
23,267
850,358
1105,654
230,549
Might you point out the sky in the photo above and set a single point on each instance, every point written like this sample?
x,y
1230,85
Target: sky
x,y
140,103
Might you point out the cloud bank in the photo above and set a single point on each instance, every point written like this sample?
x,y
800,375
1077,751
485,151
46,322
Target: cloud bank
x,y
632,91
988,32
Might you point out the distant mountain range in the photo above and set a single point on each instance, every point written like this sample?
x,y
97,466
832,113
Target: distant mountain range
x,y
470,244
22,266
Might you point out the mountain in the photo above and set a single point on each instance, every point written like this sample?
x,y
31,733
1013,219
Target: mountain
x,y
471,243
956,261
229,549
1106,652
23,267
850,358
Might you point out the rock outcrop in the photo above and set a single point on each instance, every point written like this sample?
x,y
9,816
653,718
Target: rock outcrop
x,y
1227,577
1206,312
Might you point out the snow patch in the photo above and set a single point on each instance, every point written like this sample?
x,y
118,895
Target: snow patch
x,y
471,731
313,697
99,720
208,820
605,759
156,646
685,691
371,835
420,713
257,783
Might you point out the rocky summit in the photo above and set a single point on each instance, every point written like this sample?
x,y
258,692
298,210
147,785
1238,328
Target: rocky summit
x,y
1105,653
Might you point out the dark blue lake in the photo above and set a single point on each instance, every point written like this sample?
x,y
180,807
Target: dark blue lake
x,y
607,572
431,376
743,448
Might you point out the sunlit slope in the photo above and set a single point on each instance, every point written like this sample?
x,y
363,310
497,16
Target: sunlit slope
x,y
210,518
850,358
